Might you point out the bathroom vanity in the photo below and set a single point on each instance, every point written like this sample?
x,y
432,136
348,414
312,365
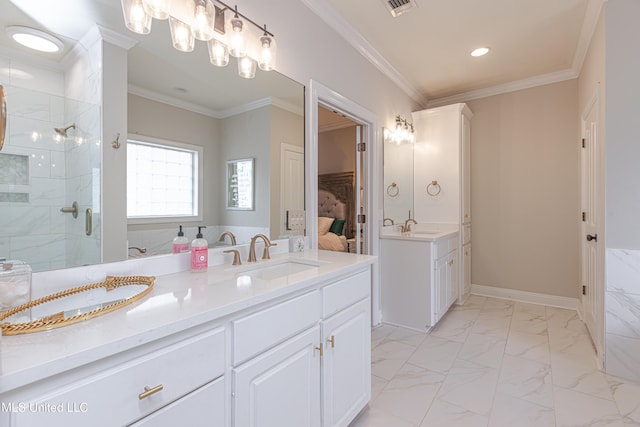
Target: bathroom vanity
x,y
419,275
284,342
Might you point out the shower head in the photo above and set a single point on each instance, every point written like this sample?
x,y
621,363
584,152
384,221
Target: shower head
x,y
63,131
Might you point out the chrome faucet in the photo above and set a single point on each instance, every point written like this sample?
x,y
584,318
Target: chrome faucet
x,y
232,237
252,247
407,225
385,221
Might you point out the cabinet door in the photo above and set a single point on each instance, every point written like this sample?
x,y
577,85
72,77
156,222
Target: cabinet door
x,y
280,387
466,270
466,170
188,411
440,289
346,365
452,278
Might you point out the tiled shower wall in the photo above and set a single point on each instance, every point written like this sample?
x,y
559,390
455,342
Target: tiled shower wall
x,y
42,172
622,305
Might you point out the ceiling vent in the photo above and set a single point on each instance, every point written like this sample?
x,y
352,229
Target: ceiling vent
x,y
398,7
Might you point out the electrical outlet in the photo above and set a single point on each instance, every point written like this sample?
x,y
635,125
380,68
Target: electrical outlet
x,y
296,244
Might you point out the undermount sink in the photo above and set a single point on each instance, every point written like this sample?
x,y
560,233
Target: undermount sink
x,y
278,270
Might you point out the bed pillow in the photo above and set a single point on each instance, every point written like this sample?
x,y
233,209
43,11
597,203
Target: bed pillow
x,y
324,224
337,226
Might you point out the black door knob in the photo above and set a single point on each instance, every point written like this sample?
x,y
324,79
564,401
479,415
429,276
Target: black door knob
x,y
592,237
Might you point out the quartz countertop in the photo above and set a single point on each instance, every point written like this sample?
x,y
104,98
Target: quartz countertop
x,y
421,232
177,302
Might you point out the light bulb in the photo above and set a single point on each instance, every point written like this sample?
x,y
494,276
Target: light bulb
x,y
246,67
237,41
267,52
203,20
135,18
218,53
158,9
181,35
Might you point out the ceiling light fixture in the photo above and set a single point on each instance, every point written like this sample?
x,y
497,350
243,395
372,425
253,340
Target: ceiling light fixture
x,y
481,51
205,20
35,39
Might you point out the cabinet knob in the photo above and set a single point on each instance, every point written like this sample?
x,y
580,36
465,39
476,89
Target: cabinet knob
x,y
320,349
332,340
149,391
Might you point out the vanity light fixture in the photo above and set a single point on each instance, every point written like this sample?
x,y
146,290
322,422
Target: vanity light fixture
x,y
481,51
205,20
402,134
34,39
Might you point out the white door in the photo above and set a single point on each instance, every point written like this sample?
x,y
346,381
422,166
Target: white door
x,y
345,366
280,387
592,261
291,185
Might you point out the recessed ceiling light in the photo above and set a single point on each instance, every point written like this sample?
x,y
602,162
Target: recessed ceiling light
x,y
34,39
480,51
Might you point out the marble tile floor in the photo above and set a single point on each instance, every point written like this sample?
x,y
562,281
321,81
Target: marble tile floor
x,y
495,363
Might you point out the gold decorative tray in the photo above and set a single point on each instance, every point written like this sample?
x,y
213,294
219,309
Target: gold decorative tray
x,y
75,305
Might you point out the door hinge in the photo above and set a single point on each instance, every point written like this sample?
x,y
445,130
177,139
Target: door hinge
x,y
584,290
584,216
361,147
584,144
362,218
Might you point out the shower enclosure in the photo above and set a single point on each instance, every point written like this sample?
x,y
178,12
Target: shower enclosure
x,y
51,158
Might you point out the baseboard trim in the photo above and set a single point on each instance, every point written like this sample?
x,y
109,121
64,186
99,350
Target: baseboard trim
x,y
523,296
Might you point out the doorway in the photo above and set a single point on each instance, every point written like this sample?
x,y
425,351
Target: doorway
x,y
367,183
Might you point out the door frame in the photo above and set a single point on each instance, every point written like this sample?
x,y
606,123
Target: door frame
x,y
318,94
599,286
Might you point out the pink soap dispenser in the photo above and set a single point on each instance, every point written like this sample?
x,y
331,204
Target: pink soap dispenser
x,y
199,252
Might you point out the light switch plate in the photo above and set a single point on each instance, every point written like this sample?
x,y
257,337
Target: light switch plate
x,y
296,220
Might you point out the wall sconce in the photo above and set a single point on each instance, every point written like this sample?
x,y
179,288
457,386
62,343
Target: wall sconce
x,y
204,20
402,134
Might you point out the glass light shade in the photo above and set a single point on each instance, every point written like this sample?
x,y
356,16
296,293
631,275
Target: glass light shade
x,y
266,53
236,37
181,35
158,9
247,67
218,53
135,18
203,16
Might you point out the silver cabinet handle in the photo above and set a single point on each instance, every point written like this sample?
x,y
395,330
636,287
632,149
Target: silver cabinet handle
x,y
88,222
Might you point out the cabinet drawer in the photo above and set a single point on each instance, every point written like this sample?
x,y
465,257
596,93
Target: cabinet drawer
x,y
188,410
345,293
255,333
445,245
466,234
112,397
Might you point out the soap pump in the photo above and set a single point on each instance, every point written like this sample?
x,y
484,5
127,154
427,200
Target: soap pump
x,y
180,243
199,252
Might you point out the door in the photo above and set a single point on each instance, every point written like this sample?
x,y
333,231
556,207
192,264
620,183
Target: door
x,y
592,260
361,215
280,387
347,356
291,188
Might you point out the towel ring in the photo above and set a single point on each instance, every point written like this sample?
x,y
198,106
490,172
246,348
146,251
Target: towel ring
x,y
393,190
435,190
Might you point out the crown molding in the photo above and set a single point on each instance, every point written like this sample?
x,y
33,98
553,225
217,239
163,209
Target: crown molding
x,y
591,18
335,20
287,106
335,126
541,80
116,38
174,102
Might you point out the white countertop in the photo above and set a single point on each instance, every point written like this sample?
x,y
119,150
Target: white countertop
x,y
421,232
177,302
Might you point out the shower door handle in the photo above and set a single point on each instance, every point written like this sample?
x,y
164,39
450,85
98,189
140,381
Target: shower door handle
x,y
88,222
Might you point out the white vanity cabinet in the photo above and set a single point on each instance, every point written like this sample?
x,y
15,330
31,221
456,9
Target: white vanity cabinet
x,y
442,174
419,279
320,376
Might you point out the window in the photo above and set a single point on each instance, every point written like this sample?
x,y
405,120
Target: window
x,y
162,180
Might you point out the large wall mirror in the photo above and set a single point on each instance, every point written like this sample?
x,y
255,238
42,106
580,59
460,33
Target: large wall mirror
x,y
53,150
398,180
